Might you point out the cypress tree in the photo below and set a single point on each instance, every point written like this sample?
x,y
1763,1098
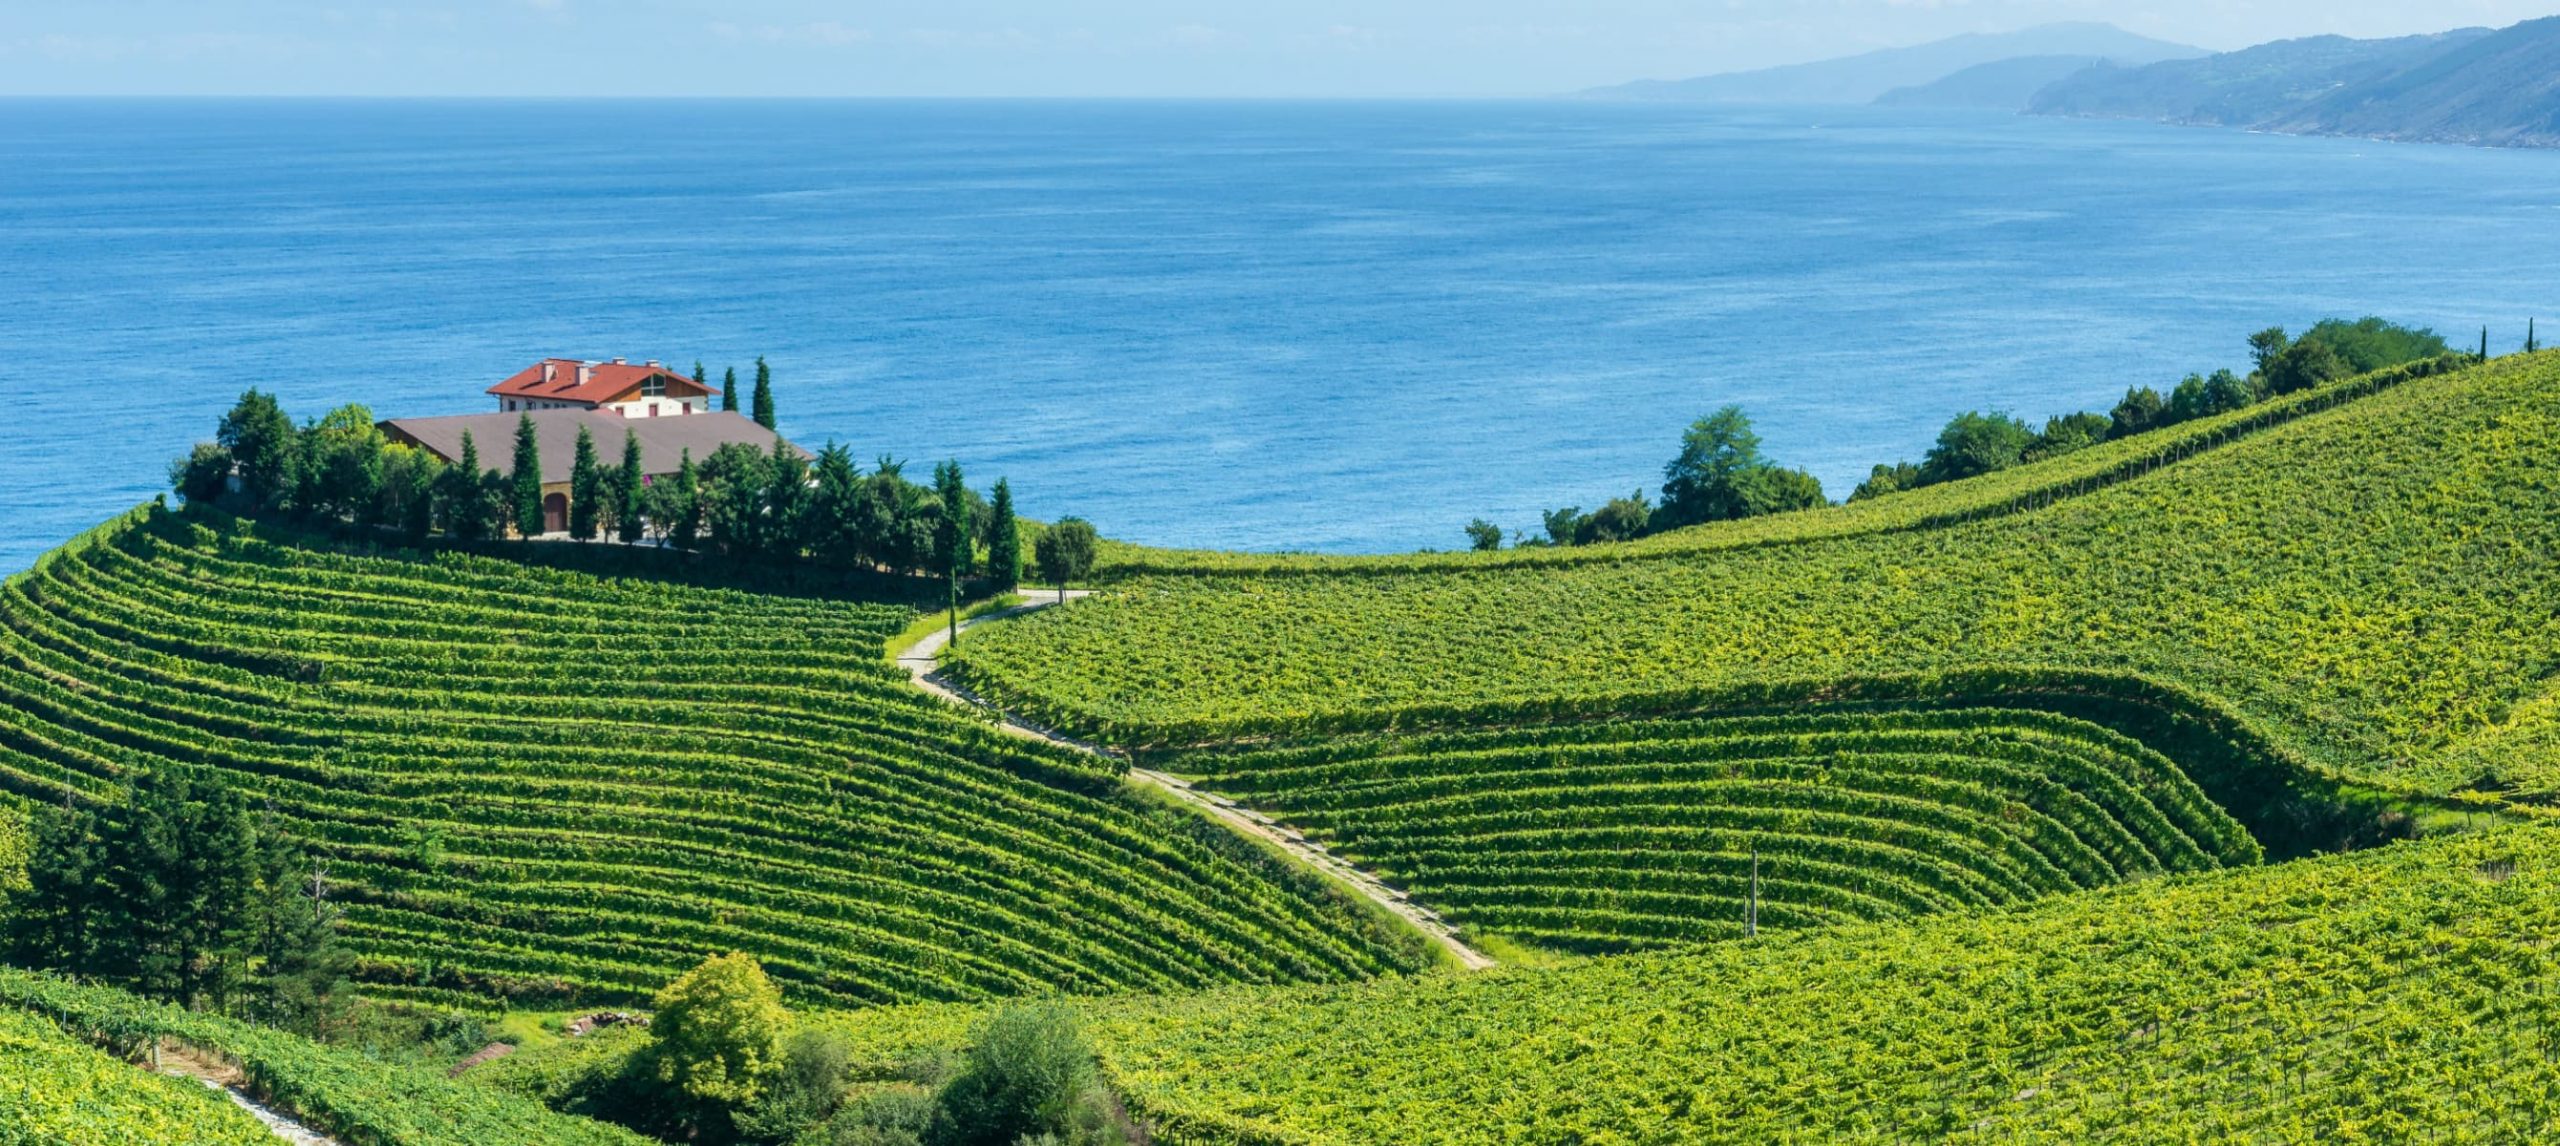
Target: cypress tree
x,y
1004,540
462,506
951,549
2484,344
527,479
684,526
729,390
700,379
764,394
627,490
2531,343
586,488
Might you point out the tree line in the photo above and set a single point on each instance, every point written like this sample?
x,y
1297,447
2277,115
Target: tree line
x,y
182,893
1721,475
742,502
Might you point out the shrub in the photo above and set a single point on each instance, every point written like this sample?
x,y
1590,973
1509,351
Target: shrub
x,y
1030,1073
718,1032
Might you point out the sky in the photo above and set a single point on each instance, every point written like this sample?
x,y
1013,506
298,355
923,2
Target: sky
x,y
1074,48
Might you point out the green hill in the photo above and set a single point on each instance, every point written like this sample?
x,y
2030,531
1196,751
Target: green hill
x,y
539,786
2400,995
56,1089
2367,589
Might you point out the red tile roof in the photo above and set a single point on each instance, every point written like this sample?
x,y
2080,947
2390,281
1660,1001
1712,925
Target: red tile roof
x,y
569,380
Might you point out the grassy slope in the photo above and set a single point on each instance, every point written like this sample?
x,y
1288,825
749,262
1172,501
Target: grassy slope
x,y
2373,586
339,1092
2399,995
58,1091
542,785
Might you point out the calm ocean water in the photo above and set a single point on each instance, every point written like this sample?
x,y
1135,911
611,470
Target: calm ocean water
x,y
1333,326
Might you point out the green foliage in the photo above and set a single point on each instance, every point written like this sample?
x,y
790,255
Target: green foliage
x,y
2141,411
347,1094
464,509
1029,1076
263,446
629,510
2402,995
729,390
57,1091
952,552
1885,479
1065,551
1483,536
410,479
1976,443
2069,432
717,1036
204,475
624,775
2365,586
1004,540
586,488
341,468
2369,343
524,475
1618,835
2303,365
763,396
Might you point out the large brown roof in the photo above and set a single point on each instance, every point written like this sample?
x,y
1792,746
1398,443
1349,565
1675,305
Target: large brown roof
x,y
569,380
663,441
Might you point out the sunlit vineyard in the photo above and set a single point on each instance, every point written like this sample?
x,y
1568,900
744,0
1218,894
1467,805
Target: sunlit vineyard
x,y
58,1091
341,1092
2372,586
1626,834
2400,995
541,786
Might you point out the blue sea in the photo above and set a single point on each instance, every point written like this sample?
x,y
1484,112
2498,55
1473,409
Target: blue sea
x,y
1335,326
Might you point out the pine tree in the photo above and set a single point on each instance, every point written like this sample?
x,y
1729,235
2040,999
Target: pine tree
x,y
586,488
729,390
627,491
684,528
701,381
1004,540
2484,344
764,394
461,504
526,479
951,533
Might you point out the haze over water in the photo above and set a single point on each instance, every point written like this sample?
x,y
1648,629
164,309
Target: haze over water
x,y
1338,326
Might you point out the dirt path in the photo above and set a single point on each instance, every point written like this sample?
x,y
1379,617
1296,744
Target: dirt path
x,y
920,661
185,1061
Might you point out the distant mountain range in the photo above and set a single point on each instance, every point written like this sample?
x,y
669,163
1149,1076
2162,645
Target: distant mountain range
x,y
1863,78
2494,87
2475,86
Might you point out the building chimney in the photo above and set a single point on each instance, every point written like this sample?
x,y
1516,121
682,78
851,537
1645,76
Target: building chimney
x,y
653,364
585,372
548,370
619,362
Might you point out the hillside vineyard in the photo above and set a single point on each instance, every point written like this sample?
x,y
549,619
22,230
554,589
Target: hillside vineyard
x,y
545,787
2370,588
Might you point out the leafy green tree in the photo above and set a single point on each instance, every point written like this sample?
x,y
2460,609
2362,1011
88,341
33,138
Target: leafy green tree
x,y
2266,346
1770,489
2303,365
1706,481
1976,443
630,510
1029,1076
1004,540
2068,432
1562,525
2188,401
2225,391
1065,553
718,1033
463,505
675,505
729,390
835,508
525,479
340,476
2370,343
1620,519
407,496
817,1067
586,487
204,475
264,449
1885,479
1483,536
734,480
764,394
789,520
2140,410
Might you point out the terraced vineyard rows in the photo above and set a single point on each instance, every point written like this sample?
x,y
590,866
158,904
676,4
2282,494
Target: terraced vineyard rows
x,y
2403,995
541,785
1628,834
58,1091
2332,581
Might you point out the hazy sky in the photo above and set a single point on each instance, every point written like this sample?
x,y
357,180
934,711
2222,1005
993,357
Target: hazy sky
x,y
1050,47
